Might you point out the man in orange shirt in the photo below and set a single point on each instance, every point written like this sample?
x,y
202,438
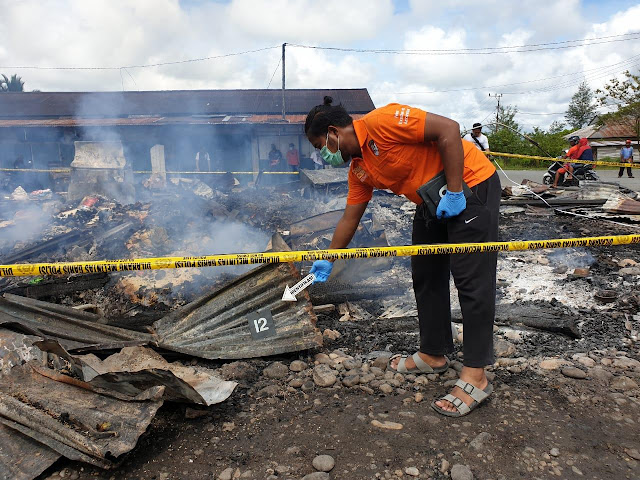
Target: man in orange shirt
x,y
293,158
567,167
401,148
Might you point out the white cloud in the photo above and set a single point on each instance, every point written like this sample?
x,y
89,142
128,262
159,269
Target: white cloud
x,y
329,21
121,32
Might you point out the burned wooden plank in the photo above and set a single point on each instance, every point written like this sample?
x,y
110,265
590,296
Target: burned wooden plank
x,y
217,326
65,239
58,286
533,316
552,201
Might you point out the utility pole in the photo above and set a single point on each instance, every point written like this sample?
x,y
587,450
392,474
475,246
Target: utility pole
x,y
284,113
497,96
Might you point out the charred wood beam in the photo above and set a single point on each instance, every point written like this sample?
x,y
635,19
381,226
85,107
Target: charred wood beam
x,y
533,316
58,286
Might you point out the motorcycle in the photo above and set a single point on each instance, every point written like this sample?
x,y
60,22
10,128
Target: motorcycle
x,y
581,172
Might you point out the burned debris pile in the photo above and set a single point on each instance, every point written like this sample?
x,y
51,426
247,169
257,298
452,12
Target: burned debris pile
x,y
86,361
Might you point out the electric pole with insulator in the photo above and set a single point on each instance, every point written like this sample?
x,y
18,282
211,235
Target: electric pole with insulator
x,y
497,96
284,113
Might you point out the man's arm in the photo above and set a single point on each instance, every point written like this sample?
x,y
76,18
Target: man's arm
x,y
347,225
446,133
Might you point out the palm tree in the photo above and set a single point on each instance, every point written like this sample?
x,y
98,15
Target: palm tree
x,y
13,84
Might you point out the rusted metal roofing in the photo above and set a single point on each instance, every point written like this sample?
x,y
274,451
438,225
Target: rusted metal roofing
x,y
216,326
74,421
620,130
158,120
21,457
610,130
176,102
74,329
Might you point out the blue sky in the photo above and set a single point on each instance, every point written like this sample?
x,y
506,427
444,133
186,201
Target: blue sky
x,y
121,32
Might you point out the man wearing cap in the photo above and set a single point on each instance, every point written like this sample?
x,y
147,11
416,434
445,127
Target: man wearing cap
x,y
477,138
626,156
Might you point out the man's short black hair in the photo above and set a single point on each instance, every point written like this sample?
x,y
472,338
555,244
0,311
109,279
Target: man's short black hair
x,y
477,125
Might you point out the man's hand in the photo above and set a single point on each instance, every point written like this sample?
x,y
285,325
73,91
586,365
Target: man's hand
x,y
321,269
451,205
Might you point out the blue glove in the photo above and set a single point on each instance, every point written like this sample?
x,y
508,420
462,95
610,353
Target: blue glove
x,y
321,269
451,205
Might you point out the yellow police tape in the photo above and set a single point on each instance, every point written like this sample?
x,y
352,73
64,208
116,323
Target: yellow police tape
x,y
302,256
564,160
148,172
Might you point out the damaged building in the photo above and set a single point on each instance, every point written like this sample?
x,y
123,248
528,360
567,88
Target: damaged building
x,y
121,133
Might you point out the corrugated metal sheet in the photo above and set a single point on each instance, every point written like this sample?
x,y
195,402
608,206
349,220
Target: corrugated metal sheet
x,y
216,326
613,130
73,328
75,422
21,457
156,121
176,102
135,369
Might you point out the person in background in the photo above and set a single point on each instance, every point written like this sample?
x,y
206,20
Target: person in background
x,y
275,157
401,148
317,159
203,156
477,138
293,158
567,167
626,156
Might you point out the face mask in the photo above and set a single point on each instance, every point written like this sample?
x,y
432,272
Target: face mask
x,y
333,159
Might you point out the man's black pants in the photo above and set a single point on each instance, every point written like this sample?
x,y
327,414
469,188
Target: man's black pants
x,y
474,276
621,171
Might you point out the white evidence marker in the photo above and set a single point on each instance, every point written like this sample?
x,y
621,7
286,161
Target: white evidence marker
x,y
290,293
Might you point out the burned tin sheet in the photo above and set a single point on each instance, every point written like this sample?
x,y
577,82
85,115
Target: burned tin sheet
x,y
326,177
618,203
73,328
136,369
77,423
21,457
217,326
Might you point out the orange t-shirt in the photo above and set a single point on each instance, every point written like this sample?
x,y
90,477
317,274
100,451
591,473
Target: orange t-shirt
x,y
572,151
395,157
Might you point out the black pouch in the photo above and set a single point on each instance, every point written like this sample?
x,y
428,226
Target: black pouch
x,y
432,191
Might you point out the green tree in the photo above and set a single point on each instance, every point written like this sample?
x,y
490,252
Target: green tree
x,y
582,108
625,95
505,137
13,84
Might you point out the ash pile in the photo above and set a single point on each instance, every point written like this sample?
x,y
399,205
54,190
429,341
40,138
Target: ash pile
x,y
88,361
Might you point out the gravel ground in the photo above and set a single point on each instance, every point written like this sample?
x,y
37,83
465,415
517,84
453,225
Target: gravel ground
x,y
562,407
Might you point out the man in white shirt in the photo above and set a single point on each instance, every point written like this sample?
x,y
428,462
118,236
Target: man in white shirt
x,y
317,160
477,138
203,161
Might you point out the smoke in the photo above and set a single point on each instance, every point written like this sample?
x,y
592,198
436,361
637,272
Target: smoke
x,y
571,257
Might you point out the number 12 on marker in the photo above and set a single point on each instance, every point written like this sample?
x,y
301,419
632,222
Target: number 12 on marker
x,y
261,324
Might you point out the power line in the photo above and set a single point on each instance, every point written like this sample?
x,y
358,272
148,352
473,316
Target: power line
x,y
628,62
571,83
531,113
486,50
147,65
